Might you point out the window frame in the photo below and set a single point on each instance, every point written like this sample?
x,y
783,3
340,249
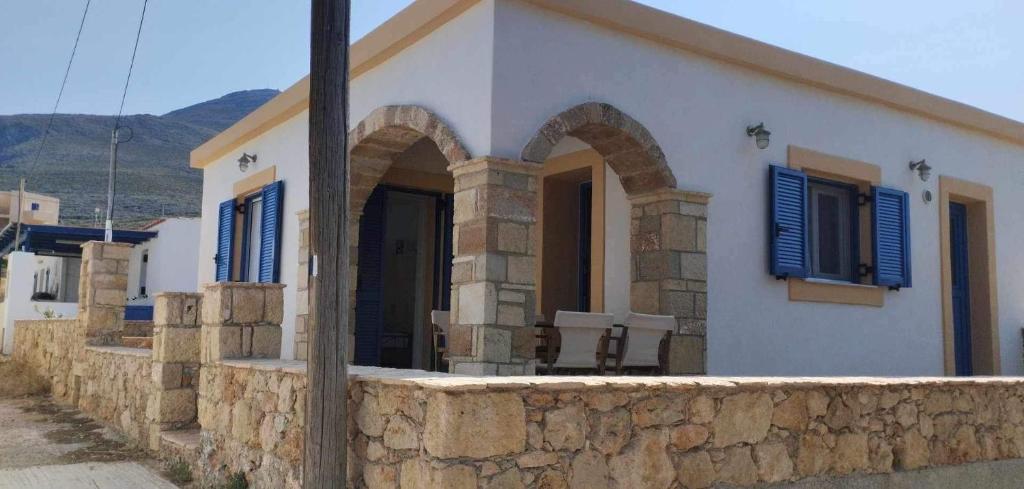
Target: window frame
x,y
247,217
852,245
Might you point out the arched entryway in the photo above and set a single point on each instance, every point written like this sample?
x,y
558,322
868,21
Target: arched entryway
x,y
401,206
600,164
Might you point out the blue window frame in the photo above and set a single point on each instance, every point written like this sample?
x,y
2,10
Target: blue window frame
x,y
833,230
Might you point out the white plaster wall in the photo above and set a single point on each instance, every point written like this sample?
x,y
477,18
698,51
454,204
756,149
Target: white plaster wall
x,y
18,303
617,217
697,109
447,72
286,148
173,259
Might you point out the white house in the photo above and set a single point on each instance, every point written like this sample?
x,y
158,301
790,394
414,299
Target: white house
x,y
627,172
42,269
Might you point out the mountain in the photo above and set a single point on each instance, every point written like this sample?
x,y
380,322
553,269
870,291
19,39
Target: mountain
x,y
153,176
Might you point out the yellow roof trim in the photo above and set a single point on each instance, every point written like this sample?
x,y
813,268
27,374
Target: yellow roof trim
x,y
424,16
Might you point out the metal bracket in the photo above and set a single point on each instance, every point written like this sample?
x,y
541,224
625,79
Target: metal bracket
x,y
863,199
864,269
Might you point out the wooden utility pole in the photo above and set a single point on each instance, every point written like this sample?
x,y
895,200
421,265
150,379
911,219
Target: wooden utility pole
x,y
326,451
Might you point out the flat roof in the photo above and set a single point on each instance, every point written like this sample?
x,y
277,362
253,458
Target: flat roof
x,y
61,240
424,16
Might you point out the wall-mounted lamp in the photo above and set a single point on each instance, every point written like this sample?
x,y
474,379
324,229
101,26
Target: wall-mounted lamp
x,y
762,136
923,170
246,160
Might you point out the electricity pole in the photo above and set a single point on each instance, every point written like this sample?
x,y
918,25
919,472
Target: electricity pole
x,y
326,450
21,212
108,234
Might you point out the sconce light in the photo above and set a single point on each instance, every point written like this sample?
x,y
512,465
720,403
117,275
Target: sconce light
x,y
923,170
762,136
245,161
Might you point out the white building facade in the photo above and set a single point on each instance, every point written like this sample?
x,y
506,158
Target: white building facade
x,y
505,79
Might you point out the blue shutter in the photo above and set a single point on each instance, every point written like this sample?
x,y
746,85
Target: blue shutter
x,y
787,223
270,232
370,280
225,240
890,230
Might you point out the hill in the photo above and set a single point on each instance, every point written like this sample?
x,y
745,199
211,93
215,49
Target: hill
x,y
153,177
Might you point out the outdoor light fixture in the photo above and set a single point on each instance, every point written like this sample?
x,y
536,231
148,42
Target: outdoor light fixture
x,y
762,136
245,160
922,169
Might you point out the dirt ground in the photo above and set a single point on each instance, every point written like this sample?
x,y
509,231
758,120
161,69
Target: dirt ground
x,y
46,445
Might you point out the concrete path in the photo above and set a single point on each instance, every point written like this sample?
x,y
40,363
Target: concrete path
x,y
44,446
111,475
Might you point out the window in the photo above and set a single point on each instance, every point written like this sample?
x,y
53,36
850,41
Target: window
x,y
252,238
258,249
814,229
143,271
832,229
35,206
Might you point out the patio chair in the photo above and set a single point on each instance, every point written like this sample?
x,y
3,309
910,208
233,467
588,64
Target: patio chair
x,y
584,340
645,338
440,320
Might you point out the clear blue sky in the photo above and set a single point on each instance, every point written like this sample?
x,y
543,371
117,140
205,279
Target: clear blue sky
x,y
193,50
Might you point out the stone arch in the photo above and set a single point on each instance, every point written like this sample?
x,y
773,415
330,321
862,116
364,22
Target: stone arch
x,y
625,144
386,133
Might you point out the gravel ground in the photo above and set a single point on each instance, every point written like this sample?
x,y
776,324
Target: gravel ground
x,y
43,445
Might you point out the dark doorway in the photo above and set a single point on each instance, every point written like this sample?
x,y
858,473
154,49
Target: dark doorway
x,y
404,271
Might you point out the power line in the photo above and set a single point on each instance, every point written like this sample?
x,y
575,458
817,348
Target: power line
x,y
114,134
131,65
60,93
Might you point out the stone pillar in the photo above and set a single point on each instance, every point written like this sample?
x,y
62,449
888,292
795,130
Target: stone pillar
x,y
493,289
302,289
668,243
176,331
241,320
103,291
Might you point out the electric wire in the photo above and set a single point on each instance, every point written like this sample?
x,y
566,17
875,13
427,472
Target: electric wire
x,y
60,94
131,66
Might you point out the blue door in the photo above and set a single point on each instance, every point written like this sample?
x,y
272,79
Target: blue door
x,y
369,280
961,288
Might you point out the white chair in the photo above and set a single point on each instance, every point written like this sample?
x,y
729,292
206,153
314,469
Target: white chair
x,y
581,334
643,336
440,319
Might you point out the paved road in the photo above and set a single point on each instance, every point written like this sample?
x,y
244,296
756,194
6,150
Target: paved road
x,y
43,446
108,475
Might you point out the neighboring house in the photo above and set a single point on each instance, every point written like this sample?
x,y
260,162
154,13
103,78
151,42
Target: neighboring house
x,y
823,253
38,208
167,263
42,271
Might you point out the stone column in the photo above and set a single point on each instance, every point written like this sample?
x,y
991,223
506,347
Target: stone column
x,y
668,243
103,291
176,331
302,289
493,289
241,320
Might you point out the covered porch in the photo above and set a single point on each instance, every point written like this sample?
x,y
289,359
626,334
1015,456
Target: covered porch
x,y
588,220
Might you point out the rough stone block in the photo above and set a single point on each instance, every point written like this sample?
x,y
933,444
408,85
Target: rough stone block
x,y
247,305
274,305
492,344
167,375
221,342
521,269
179,345
216,304
110,297
166,309
477,303
477,425
266,342
176,405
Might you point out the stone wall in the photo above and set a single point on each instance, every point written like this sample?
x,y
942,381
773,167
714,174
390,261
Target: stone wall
x,y
252,415
116,387
418,430
50,346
